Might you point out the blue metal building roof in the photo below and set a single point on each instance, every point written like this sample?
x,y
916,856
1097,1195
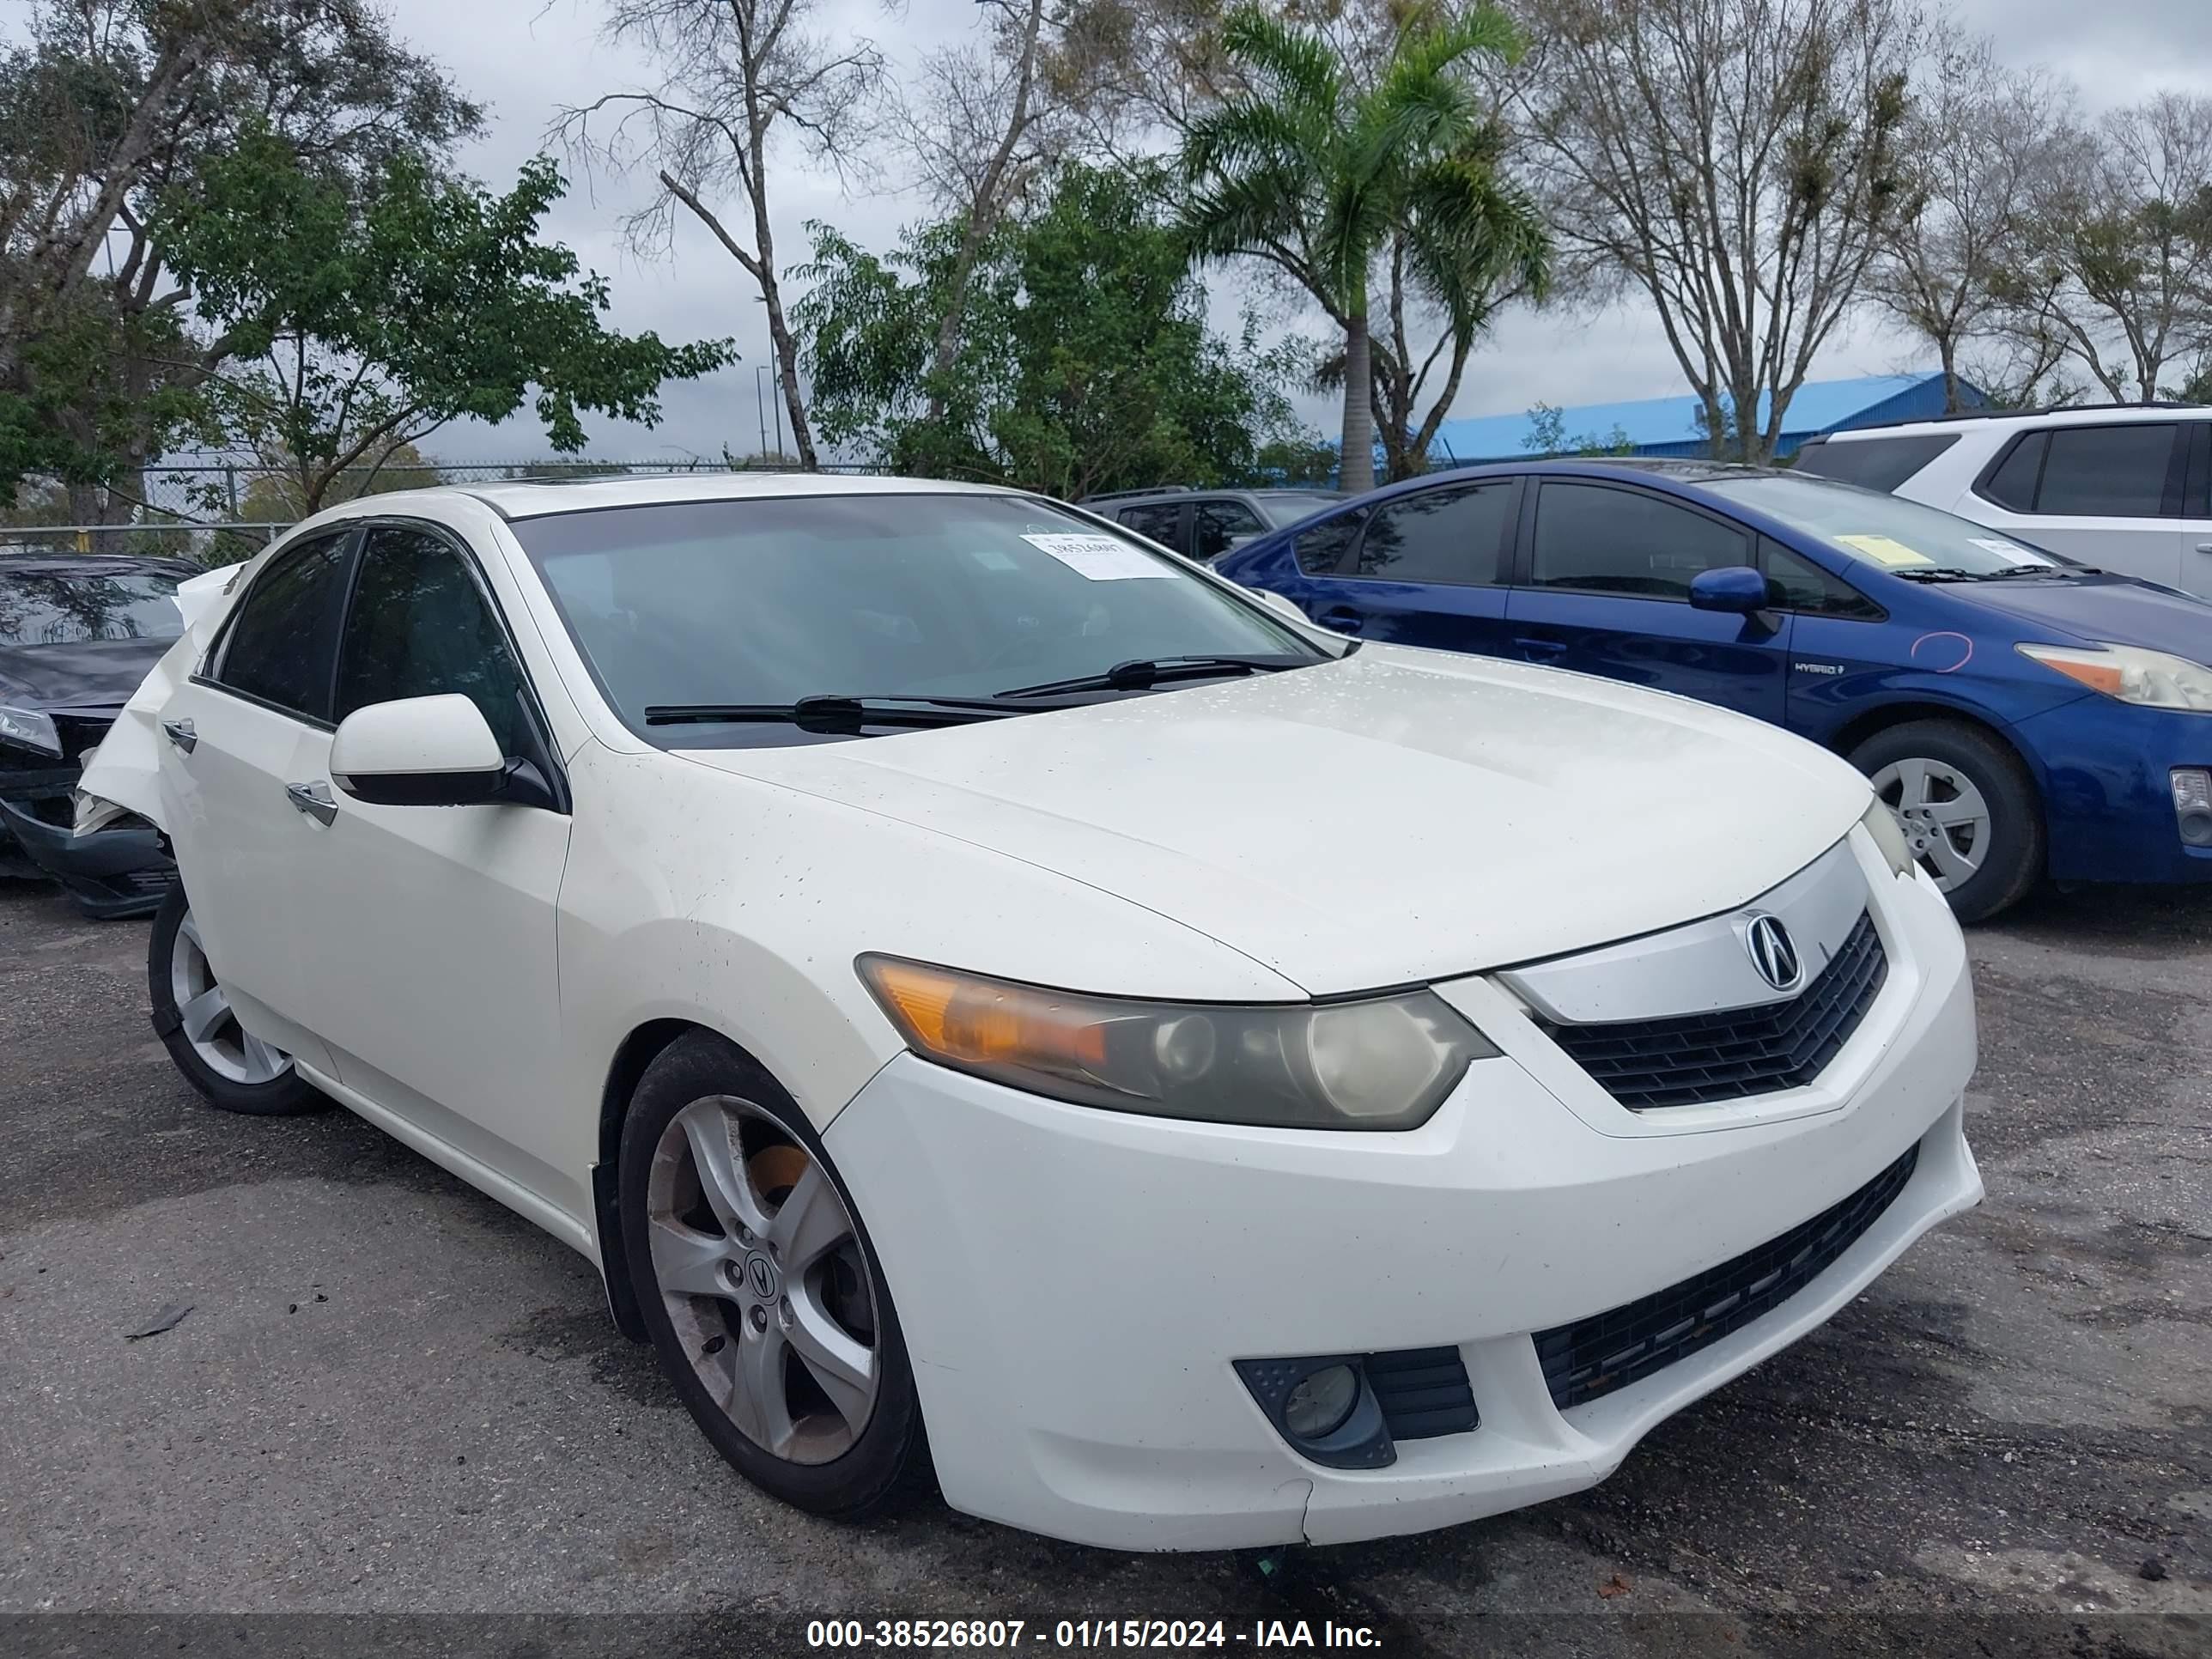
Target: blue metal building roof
x,y
1668,426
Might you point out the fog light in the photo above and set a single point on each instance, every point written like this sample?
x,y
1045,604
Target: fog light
x,y
2192,804
1319,1405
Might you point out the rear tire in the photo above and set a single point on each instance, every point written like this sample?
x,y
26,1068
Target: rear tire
x,y
1968,806
231,1069
760,1289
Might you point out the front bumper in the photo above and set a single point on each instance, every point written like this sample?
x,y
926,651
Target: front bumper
x,y
1074,1285
121,870
2108,801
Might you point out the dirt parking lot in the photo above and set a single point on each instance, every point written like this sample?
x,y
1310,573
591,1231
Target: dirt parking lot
x,y
392,1397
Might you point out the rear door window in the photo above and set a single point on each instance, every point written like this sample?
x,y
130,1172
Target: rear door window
x,y
283,645
1161,522
2107,471
1216,526
1452,535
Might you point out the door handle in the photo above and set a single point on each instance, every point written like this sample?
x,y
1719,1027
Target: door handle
x,y
1542,650
181,734
313,798
2204,547
1342,618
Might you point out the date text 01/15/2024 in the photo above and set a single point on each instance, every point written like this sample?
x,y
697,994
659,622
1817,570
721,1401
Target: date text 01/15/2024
x,y
1016,1633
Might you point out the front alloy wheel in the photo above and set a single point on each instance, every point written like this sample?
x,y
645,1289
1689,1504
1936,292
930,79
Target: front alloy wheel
x,y
758,1285
761,1271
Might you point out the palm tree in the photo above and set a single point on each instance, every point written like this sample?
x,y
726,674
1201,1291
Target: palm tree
x,y
1317,175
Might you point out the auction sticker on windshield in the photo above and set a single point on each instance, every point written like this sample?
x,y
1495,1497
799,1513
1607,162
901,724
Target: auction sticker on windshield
x,y
1101,558
1886,549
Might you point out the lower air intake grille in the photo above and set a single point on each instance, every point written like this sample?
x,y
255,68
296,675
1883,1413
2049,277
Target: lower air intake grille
x,y
1694,1059
1608,1351
1423,1392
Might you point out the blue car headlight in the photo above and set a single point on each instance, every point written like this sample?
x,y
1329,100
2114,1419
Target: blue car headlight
x,y
2150,679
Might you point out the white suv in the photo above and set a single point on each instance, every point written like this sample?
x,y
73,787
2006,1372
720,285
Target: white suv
x,y
2127,488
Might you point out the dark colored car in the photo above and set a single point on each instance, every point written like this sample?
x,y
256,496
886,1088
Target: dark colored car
x,y
1204,523
78,632
2025,715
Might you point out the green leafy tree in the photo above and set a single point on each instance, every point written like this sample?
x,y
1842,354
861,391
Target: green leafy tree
x,y
1325,178
1548,436
1086,363
104,105
361,322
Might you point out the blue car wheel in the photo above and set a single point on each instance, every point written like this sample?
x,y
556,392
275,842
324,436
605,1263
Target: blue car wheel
x,y
1968,807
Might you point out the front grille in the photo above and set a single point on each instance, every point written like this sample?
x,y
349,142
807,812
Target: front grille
x,y
1608,1351
1423,1392
1697,1058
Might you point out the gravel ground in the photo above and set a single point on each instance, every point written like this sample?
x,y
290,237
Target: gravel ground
x,y
392,1398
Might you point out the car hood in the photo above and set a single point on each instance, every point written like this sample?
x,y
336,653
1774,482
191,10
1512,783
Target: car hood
x,y
1395,816
2117,610
98,675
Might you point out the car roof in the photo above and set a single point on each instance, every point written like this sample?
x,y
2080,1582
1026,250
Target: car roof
x,y
534,499
2012,419
1671,468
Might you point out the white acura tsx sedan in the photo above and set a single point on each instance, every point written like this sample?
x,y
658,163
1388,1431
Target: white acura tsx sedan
x,y
992,996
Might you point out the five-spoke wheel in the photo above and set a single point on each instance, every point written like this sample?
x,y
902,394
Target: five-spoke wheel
x,y
226,1063
756,1281
761,1270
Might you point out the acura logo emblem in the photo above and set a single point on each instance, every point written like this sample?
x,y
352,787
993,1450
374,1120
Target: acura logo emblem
x,y
760,1274
1772,952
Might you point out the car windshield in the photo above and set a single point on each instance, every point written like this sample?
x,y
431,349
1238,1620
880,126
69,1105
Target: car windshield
x,y
1885,533
764,602
1288,507
46,607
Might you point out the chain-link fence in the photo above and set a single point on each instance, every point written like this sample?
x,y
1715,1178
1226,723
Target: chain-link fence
x,y
219,512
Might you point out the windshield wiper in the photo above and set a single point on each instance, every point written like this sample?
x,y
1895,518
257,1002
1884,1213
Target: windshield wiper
x,y
833,712
1139,673
1938,573
2012,571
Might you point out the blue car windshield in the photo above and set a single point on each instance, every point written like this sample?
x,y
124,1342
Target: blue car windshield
x,y
1885,533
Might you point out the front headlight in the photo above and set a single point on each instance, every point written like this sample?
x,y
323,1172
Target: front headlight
x,y
1384,1063
29,729
2151,678
1889,835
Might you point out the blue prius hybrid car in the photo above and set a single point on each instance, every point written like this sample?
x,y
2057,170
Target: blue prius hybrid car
x,y
2025,715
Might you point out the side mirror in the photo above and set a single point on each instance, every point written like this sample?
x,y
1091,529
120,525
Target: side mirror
x,y
1736,587
420,751
1277,603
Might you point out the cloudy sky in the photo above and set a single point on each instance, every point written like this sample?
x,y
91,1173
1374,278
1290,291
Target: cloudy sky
x,y
527,58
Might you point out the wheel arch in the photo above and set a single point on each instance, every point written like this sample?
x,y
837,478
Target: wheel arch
x,y
636,1051
1872,722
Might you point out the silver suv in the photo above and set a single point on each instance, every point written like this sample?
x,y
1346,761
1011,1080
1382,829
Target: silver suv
x,y
2128,488
1203,524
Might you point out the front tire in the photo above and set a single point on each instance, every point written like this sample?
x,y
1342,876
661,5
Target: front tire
x,y
1968,807
230,1067
759,1288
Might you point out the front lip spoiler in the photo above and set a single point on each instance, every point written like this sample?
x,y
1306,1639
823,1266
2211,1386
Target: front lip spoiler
x,y
95,868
